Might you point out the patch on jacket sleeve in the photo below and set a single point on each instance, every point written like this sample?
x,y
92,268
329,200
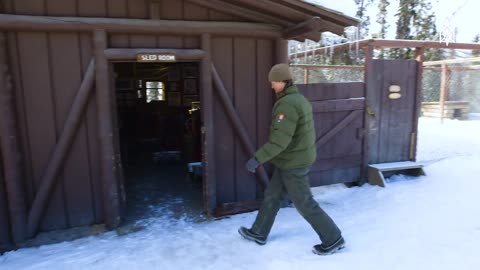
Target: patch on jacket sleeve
x,y
280,117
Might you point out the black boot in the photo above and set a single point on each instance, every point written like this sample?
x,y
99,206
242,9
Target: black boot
x,y
327,250
251,236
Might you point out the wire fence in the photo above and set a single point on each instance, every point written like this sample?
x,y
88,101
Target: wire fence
x,y
463,85
449,92
303,74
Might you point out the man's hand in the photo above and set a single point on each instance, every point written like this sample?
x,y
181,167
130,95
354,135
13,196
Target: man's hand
x,y
252,165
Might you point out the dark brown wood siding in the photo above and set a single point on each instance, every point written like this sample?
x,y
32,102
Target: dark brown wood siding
x,y
5,240
338,114
243,65
46,83
134,9
45,87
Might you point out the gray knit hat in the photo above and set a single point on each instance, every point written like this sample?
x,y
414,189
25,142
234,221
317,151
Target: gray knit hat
x,y
280,72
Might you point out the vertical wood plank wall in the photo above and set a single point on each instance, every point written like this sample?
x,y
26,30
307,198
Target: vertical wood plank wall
x,y
46,83
339,160
5,239
390,130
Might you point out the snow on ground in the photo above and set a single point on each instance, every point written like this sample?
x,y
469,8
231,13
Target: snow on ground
x,y
453,138
430,222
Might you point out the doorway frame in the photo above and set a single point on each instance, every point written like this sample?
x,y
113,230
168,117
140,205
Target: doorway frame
x,y
113,182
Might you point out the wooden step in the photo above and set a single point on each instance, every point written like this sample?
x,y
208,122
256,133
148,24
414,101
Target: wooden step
x,y
378,172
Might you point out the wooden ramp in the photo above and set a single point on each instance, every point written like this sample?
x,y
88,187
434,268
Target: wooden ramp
x,y
378,172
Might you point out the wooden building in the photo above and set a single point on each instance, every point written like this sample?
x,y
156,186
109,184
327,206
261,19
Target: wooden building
x,y
81,81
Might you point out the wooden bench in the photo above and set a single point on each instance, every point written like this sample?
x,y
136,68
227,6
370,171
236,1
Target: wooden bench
x,y
452,109
378,172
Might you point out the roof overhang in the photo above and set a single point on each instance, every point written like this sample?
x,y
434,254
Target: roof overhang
x,y
299,19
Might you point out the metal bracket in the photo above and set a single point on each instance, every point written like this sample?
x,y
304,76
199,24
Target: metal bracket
x,y
370,112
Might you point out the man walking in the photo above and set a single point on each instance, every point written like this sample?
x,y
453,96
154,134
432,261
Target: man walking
x,y
291,149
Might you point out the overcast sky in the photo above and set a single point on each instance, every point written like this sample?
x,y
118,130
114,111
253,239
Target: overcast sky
x,y
465,19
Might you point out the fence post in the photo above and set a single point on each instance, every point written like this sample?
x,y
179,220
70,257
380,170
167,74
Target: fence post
x,y
305,75
419,57
444,90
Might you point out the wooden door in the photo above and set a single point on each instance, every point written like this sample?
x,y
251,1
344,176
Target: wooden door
x,y
392,94
339,124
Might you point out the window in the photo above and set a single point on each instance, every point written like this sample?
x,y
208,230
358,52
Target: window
x,y
155,91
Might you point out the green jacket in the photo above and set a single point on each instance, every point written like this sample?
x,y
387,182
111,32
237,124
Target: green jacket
x,y
291,143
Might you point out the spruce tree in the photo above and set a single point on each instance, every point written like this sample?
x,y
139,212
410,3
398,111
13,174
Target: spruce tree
x,y
404,16
424,21
382,20
361,14
416,20
382,17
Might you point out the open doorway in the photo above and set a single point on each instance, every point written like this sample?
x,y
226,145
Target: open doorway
x,y
159,111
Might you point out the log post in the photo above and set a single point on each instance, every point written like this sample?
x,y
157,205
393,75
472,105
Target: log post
x,y
312,25
369,116
111,198
240,129
281,47
62,147
209,168
10,151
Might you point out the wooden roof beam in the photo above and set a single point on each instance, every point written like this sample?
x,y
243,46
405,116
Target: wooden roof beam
x,y
314,24
292,13
249,14
317,10
333,27
299,14
274,8
137,26
241,12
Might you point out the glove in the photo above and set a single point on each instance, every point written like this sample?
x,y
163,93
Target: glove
x,y
252,165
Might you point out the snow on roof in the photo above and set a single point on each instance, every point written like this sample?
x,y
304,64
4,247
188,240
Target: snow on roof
x,y
343,7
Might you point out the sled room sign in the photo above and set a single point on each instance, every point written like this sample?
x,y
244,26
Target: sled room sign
x,y
145,57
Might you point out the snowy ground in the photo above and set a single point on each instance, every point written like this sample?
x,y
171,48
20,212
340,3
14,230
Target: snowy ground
x,y
452,139
431,222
